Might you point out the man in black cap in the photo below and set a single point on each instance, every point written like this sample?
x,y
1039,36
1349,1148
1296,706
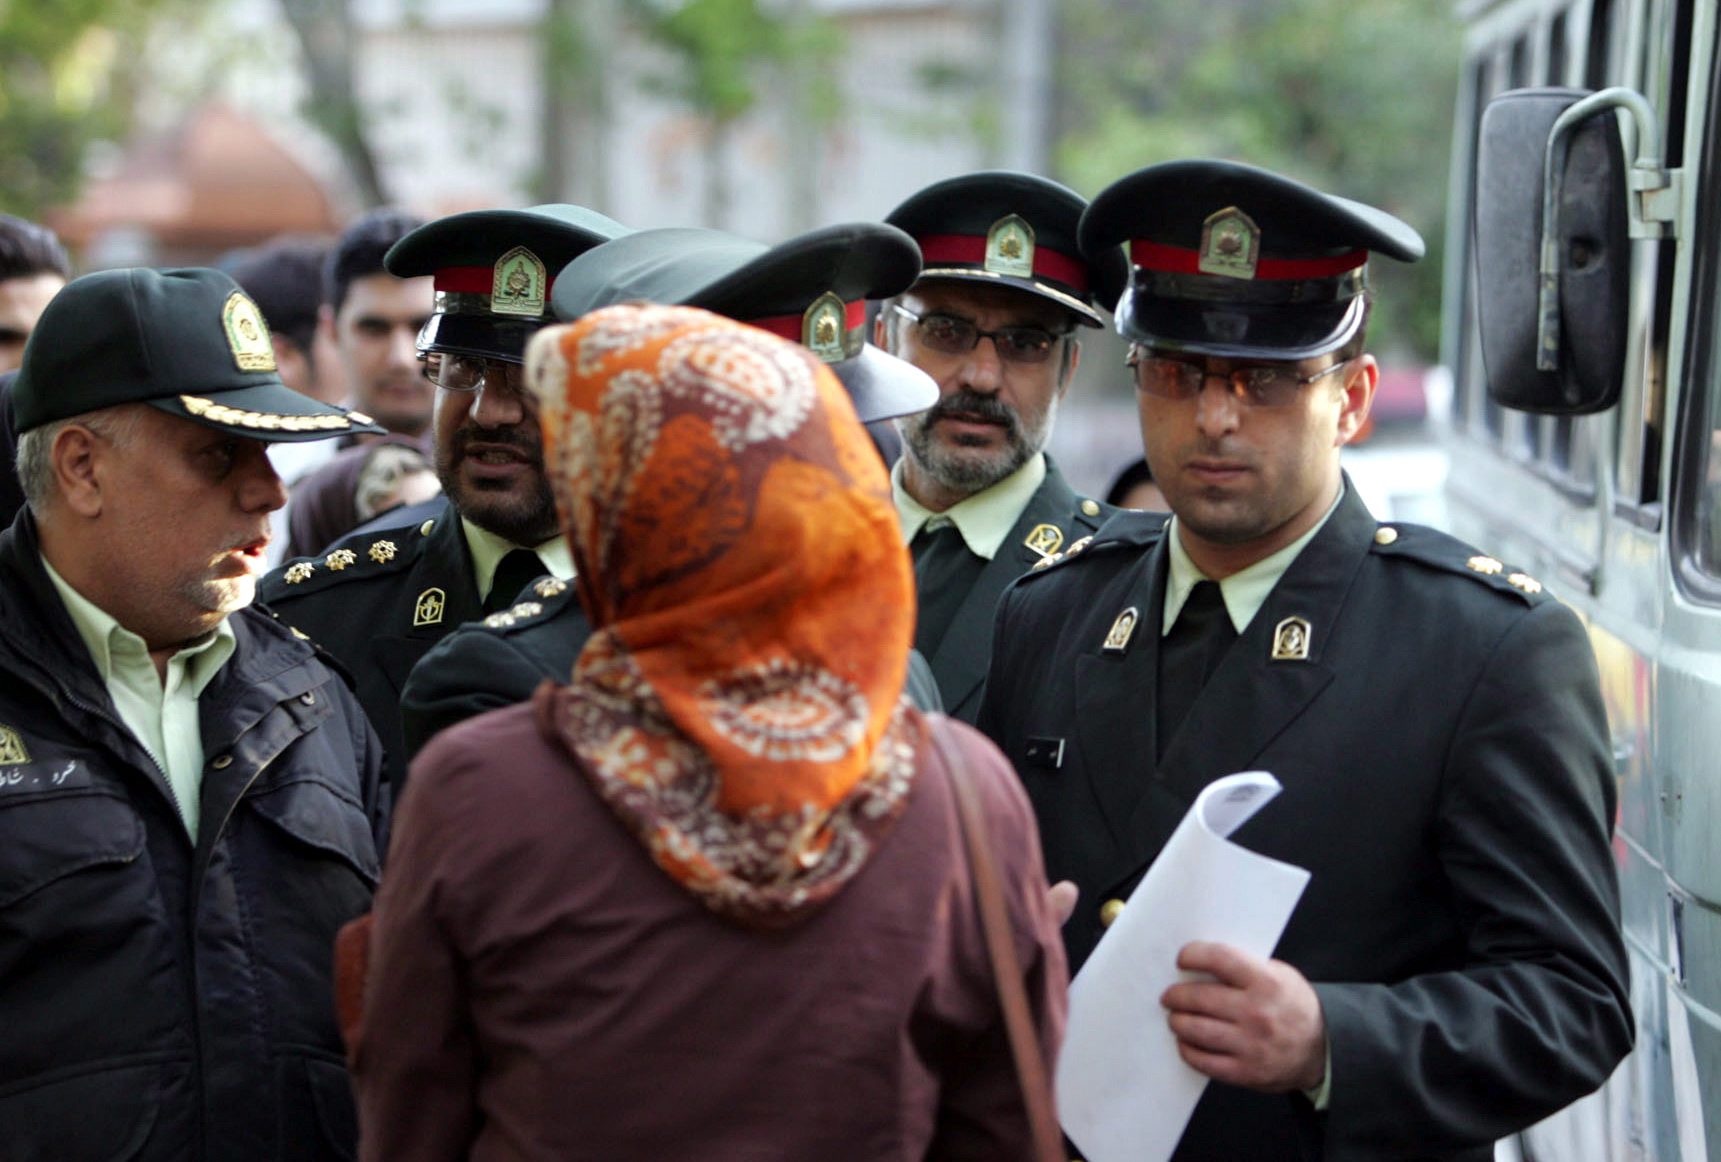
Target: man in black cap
x,y
189,796
1454,970
993,320
811,289
378,601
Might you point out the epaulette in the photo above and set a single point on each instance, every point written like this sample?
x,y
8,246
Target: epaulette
x,y
552,594
323,656
353,559
1434,548
1124,529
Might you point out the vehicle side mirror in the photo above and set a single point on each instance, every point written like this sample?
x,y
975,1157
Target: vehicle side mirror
x,y
1590,254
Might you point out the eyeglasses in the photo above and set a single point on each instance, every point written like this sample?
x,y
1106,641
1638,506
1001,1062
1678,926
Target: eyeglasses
x,y
1262,385
954,335
468,373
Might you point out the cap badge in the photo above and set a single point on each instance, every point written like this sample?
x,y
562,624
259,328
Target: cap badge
x,y
247,334
1045,539
1121,631
12,752
1010,247
823,328
1230,244
517,284
428,611
1291,639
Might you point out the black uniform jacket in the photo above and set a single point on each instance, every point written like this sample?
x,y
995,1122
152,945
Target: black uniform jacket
x,y
500,660
378,602
959,665
1447,779
160,1000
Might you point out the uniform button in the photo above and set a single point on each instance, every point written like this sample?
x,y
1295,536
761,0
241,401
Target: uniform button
x,y
222,762
1110,911
309,698
1090,508
1385,535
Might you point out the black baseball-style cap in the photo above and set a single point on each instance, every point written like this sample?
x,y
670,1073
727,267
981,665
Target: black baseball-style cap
x,y
189,342
1012,229
1234,261
811,289
494,272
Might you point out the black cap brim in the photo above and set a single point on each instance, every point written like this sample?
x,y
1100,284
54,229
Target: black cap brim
x,y
1085,314
883,386
481,336
1232,330
270,412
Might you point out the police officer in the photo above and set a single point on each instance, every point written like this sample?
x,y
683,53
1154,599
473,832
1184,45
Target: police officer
x,y
378,601
1454,970
188,794
992,319
810,289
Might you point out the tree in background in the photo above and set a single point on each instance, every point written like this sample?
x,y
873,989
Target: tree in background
x,y
1352,98
328,39
69,76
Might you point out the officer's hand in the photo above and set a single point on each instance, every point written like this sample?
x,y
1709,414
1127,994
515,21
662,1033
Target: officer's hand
x,y
1257,1024
1061,898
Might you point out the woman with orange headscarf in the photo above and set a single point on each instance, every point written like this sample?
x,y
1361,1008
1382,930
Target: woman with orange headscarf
x,y
709,899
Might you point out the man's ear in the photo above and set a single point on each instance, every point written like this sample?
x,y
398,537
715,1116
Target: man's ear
x,y
77,456
1072,360
326,321
1360,381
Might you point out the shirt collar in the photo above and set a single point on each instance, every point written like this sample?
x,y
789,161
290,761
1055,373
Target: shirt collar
x,y
985,518
1246,590
108,640
488,549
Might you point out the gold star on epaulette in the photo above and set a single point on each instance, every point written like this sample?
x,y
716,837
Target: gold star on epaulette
x,y
382,552
1524,582
527,609
1046,562
549,587
299,571
340,559
500,620
1486,565
1078,546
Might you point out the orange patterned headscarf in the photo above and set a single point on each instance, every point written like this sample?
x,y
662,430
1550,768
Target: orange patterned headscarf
x,y
739,703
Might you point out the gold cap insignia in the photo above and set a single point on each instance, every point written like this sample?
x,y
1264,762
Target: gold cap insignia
x,y
517,284
1045,539
382,552
1121,631
247,333
299,571
1525,582
1230,244
549,586
1486,565
1291,639
1010,247
428,610
1385,535
340,559
12,750
824,328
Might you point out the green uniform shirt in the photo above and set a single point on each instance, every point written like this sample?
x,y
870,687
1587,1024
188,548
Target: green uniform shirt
x,y
488,549
983,519
162,715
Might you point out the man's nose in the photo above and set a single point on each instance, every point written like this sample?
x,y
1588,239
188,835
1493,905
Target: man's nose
x,y
261,489
403,345
984,369
1218,411
495,404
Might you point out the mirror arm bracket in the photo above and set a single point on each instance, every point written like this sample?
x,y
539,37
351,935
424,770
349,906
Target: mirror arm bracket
x,y
1653,210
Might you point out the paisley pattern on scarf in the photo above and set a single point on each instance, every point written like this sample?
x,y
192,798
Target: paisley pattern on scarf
x,y
739,704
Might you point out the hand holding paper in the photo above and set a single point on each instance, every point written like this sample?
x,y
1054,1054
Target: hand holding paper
x,y
1124,1091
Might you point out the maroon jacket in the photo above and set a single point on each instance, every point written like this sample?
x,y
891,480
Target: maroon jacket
x,y
539,989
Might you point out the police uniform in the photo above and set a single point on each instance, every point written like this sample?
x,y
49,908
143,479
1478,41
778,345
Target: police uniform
x,y
378,601
1018,231
811,289
1432,714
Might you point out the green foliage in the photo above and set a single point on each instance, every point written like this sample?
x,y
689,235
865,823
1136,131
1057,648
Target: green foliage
x,y
1355,99
719,46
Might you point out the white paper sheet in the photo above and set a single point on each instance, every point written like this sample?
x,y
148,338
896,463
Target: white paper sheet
x,y
1124,1095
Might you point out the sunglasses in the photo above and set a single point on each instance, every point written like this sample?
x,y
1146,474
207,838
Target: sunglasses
x,y
1263,385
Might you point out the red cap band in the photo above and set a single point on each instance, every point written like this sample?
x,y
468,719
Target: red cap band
x,y
1178,260
971,248
790,326
475,280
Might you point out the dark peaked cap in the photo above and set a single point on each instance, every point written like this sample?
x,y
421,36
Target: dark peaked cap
x,y
970,229
188,342
1234,261
821,277
472,256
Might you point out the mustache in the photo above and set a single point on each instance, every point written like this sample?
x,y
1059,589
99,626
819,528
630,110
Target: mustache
x,y
965,404
527,444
